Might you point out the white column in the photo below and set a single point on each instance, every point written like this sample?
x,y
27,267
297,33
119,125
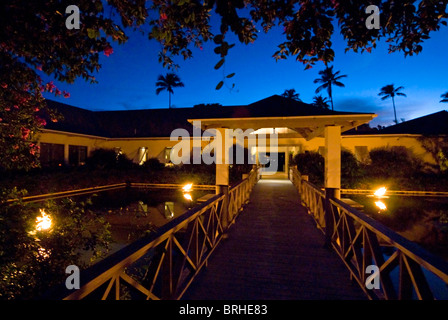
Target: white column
x,y
222,158
222,173
333,158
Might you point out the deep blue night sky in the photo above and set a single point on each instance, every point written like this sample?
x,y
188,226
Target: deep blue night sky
x,y
127,78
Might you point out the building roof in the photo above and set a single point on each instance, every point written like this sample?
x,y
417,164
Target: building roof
x,y
161,122
432,124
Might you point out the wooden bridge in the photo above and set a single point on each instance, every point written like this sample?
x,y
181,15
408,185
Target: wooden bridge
x,y
266,240
274,251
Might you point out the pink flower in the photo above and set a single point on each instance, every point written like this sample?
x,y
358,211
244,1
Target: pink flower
x,y
108,51
50,86
41,121
33,148
163,16
4,85
25,133
1,119
39,67
16,106
36,109
66,94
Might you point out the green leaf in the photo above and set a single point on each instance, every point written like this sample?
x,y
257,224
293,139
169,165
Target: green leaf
x,y
92,33
219,64
219,86
230,75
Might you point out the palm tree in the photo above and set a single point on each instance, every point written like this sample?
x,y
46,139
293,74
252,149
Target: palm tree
x,y
445,97
168,82
320,102
328,78
291,94
389,91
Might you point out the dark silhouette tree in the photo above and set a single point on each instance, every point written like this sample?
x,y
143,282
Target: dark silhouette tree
x,y
444,97
34,40
168,82
291,94
389,91
328,78
320,102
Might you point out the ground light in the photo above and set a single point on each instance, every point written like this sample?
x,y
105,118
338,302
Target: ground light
x,y
43,222
379,193
188,187
186,190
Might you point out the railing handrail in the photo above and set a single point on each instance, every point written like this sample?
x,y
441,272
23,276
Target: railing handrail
x,y
420,193
116,260
343,232
429,260
112,268
82,191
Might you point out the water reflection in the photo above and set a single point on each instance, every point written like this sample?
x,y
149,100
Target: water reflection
x,y
380,204
133,213
423,220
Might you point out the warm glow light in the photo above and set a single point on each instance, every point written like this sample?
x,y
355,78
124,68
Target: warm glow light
x,y
44,253
188,196
380,205
43,222
380,192
187,187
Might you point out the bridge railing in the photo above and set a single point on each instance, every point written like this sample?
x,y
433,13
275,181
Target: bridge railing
x,y
406,270
164,264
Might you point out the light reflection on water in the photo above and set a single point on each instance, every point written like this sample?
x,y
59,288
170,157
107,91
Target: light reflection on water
x,y
136,212
423,220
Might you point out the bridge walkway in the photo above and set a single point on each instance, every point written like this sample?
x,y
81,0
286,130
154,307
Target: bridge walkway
x,y
274,251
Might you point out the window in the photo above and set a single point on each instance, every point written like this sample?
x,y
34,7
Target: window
x,y
51,154
362,153
142,155
118,152
77,155
167,156
272,161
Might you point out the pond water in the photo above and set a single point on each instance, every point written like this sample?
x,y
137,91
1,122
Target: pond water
x,y
133,213
423,220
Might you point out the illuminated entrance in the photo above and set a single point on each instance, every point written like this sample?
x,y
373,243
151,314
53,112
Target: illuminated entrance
x,y
275,161
329,126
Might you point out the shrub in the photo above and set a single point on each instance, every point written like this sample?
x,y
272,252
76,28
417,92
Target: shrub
x,y
351,170
33,260
311,163
394,161
108,159
153,164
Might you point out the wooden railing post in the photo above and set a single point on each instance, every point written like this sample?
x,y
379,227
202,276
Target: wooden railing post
x,y
329,220
224,189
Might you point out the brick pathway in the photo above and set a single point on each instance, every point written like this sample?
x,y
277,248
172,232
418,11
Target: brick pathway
x,y
274,251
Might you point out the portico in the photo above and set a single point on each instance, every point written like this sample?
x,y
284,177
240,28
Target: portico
x,y
328,126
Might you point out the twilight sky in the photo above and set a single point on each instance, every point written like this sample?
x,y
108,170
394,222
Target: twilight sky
x,y
127,77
